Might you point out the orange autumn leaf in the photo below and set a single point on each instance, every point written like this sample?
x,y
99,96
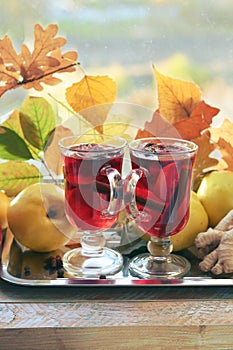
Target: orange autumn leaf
x,y
225,130
200,119
204,161
226,150
30,69
52,154
187,128
92,97
223,137
157,127
176,98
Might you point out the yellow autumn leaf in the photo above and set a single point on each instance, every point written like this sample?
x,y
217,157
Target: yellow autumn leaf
x,y
224,131
92,97
226,150
119,128
223,137
176,98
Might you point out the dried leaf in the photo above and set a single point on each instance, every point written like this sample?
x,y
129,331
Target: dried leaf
x,y
157,127
199,120
223,137
225,130
226,150
203,160
15,176
30,69
177,98
37,121
92,97
52,153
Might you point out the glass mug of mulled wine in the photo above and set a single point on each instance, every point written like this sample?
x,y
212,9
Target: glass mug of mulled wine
x,y
92,166
157,196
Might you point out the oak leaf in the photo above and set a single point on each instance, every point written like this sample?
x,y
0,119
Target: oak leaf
x,y
30,69
92,97
176,98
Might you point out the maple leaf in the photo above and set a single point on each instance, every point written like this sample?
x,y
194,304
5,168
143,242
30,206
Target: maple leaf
x,y
187,128
224,130
30,69
226,150
204,162
200,119
157,127
92,97
223,137
177,98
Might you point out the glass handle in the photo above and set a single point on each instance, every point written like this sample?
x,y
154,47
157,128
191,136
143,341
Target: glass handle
x,y
130,193
116,191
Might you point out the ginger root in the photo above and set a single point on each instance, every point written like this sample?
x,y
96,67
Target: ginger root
x,y
215,247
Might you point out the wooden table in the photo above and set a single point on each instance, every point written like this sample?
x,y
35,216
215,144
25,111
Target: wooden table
x,y
164,318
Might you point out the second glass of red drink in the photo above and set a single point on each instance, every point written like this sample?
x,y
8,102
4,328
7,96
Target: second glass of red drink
x,y
157,197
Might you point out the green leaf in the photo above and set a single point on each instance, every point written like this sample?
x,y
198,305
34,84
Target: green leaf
x,y
12,146
37,120
15,176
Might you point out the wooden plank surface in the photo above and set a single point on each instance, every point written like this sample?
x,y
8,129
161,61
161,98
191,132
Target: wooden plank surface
x,y
110,338
115,318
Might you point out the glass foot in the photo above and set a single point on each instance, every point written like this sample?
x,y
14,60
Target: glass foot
x,y
147,267
108,262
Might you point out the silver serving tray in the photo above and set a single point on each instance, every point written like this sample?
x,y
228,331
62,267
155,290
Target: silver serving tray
x,y
24,267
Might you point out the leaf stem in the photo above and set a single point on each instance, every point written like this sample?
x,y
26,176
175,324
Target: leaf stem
x,y
55,181
79,116
24,82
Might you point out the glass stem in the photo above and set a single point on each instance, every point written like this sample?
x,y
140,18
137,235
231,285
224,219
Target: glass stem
x,y
159,249
92,244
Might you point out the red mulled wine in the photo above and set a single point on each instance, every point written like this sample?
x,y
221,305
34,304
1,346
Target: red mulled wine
x,y
163,191
87,187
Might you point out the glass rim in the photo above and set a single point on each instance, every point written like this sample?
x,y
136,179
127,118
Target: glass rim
x,y
76,136
194,147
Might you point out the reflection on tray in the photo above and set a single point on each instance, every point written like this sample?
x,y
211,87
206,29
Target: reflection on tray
x,y
25,267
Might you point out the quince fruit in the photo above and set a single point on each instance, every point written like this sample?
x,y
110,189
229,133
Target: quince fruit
x,y
4,204
197,222
216,194
36,217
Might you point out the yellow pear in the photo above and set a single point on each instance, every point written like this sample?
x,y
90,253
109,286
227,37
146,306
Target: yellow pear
x,y
36,217
4,204
197,222
216,194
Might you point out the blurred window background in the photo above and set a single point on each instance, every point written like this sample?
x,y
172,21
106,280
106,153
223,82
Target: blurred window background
x,y
183,38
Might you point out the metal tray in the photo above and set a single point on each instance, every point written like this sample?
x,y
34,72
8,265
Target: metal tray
x,y
24,267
